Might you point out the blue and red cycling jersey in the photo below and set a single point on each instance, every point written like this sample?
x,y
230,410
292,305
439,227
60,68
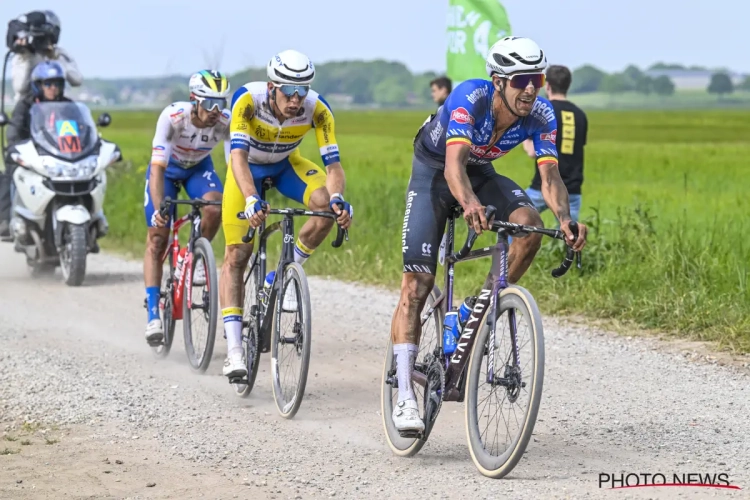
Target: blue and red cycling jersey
x,y
466,118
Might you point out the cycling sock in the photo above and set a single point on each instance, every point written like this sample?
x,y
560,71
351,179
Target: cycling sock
x,y
152,302
302,252
233,328
405,355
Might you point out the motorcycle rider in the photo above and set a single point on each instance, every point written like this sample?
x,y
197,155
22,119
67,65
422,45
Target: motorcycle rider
x,y
33,38
47,84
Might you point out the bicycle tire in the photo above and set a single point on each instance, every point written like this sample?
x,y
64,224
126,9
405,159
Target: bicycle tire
x,y
286,406
406,447
250,337
199,361
167,320
489,465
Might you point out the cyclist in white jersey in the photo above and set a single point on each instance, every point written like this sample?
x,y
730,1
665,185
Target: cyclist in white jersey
x,y
186,133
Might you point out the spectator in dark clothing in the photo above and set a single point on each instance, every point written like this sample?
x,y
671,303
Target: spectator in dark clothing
x,y
47,84
441,88
572,129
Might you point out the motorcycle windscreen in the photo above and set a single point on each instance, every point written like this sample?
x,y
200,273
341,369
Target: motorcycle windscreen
x,y
64,129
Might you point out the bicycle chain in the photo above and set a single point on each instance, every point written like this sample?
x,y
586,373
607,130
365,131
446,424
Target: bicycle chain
x,y
435,372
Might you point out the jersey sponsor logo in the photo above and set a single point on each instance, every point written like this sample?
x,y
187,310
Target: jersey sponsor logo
x,y
543,111
482,151
551,137
407,214
436,133
322,117
260,132
476,94
333,148
460,115
452,132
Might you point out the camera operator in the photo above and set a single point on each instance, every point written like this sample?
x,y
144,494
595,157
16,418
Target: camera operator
x,y
33,38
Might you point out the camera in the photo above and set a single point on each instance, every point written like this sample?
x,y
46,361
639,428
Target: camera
x,y
39,29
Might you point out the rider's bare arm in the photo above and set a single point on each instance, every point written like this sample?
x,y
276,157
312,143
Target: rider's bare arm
x,y
243,109
456,158
161,150
335,178
554,191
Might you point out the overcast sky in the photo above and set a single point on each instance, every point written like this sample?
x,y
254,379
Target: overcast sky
x,y
151,38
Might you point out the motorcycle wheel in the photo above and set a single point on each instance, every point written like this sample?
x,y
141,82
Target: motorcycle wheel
x,y
73,254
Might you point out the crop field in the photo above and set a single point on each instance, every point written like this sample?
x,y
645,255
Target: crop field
x,y
665,193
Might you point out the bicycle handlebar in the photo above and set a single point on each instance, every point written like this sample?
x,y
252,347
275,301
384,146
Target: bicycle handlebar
x,y
197,203
341,233
512,228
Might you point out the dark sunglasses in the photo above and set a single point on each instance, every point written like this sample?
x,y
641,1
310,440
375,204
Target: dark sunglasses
x,y
289,90
53,83
212,103
522,80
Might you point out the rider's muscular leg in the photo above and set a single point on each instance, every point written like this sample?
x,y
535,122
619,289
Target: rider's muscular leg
x,y
211,216
315,229
156,244
236,258
523,250
406,328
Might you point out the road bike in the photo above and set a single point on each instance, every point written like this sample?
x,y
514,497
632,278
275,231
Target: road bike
x,y
476,370
181,298
265,325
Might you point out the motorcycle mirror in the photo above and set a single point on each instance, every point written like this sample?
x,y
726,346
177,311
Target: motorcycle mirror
x,y
104,120
3,119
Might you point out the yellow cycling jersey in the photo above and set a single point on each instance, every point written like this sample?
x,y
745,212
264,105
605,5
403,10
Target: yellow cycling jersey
x,y
256,130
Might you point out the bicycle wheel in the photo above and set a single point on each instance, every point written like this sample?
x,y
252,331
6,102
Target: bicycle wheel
x,y
431,330
290,346
199,318
250,339
515,386
166,306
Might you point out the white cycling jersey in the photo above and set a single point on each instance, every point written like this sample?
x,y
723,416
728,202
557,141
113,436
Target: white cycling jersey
x,y
178,142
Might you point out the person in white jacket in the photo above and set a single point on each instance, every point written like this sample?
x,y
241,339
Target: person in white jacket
x,y
33,38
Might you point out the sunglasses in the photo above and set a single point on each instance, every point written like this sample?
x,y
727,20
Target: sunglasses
x,y
212,103
289,90
53,83
522,80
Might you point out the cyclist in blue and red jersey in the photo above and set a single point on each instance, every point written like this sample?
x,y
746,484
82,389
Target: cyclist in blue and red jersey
x,y
480,121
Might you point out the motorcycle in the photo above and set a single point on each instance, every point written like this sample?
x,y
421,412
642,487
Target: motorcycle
x,y
59,187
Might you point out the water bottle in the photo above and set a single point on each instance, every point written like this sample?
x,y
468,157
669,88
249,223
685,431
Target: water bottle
x,y
178,267
464,311
267,284
449,337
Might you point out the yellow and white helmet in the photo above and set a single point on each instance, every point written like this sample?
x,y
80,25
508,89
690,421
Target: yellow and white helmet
x,y
209,83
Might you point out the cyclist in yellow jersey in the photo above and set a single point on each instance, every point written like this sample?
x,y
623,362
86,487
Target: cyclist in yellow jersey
x,y
269,121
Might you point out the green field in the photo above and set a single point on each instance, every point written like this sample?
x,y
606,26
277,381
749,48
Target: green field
x,y
665,193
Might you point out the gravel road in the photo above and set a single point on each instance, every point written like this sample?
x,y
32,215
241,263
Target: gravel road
x,y
75,369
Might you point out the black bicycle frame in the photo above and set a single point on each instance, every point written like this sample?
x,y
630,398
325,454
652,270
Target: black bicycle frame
x,y
496,281
286,226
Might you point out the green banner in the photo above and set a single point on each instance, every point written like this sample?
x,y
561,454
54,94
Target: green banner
x,y
473,26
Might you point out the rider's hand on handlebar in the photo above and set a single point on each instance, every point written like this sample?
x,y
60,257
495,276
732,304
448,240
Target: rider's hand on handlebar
x,y
474,215
345,213
256,210
157,220
580,241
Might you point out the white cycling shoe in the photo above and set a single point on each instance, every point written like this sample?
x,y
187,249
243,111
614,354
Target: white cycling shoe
x,y
406,416
289,302
154,331
235,365
199,275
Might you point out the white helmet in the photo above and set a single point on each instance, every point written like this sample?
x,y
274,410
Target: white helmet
x,y
209,83
290,67
515,54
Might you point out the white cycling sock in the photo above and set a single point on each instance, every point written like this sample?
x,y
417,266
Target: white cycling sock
x,y
405,355
302,252
233,328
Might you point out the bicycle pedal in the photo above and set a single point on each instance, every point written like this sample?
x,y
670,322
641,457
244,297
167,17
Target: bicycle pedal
x,y
410,434
155,343
238,380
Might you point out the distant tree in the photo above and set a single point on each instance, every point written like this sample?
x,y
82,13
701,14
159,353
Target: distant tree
x,y
586,79
663,66
390,93
663,85
745,84
615,83
720,84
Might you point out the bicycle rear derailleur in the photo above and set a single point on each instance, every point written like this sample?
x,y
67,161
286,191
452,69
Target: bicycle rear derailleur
x,y
433,392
